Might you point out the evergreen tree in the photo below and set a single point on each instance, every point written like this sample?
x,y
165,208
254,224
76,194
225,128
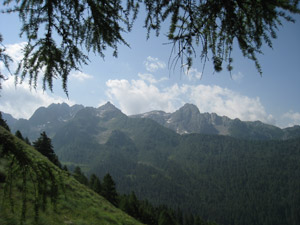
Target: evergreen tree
x,y
6,60
95,184
44,146
130,204
2,121
204,28
65,168
165,218
199,221
109,189
19,135
80,176
27,141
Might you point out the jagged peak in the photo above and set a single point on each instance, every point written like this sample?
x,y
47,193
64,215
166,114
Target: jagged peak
x,y
189,107
63,104
108,106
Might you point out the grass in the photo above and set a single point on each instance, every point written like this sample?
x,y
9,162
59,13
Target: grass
x,y
76,204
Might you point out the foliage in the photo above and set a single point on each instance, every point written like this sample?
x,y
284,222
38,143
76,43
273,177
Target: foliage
x,y
219,178
95,184
3,123
215,25
145,212
43,145
109,190
19,135
93,25
165,219
71,203
5,59
228,180
79,176
23,169
57,31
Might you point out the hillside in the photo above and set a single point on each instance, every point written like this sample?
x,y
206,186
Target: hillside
x,y
221,178
73,204
225,179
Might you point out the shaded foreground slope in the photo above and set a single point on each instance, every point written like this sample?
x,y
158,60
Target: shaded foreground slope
x,y
72,203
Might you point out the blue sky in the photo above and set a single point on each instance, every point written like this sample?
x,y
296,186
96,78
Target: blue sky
x,y
139,80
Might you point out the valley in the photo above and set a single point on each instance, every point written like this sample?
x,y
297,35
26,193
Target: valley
x,y
249,176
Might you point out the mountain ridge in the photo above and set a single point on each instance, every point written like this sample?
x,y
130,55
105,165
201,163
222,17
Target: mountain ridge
x,y
187,119
222,177
48,119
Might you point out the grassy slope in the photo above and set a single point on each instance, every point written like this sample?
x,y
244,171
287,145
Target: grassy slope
x,y
76,203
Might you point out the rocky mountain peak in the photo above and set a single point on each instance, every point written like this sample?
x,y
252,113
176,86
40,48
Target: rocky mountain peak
x,y
190,107
54,112
186,112
108,106
108,111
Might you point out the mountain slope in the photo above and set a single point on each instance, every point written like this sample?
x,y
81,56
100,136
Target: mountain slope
x,y
188,119
229,180
48,119
75,203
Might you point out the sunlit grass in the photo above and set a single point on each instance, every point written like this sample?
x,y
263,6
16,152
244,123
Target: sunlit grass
x,y
76,204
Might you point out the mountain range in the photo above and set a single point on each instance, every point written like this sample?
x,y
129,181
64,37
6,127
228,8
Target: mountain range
x,y
188,119
48,119
185,120
247,175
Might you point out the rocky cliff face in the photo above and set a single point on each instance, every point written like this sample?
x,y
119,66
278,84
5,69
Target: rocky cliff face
x,y
48,119
188,119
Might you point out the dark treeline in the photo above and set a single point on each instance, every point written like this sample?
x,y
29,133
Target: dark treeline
x,y
216,178
141,210
219,178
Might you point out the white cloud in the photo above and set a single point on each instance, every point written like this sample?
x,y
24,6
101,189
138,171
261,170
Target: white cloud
x,y
150,78
154,64
136,96
21,102
147,77
15,52
292,118
226,102
237,76
192,74
80,76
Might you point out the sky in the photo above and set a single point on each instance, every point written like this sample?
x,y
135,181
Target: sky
x,y
140,80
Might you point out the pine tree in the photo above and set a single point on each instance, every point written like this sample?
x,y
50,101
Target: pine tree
x,y
109,189
18,134
165,218
6,60
95,184
44,146
65,168
27,141
208,29
2,121
78,174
